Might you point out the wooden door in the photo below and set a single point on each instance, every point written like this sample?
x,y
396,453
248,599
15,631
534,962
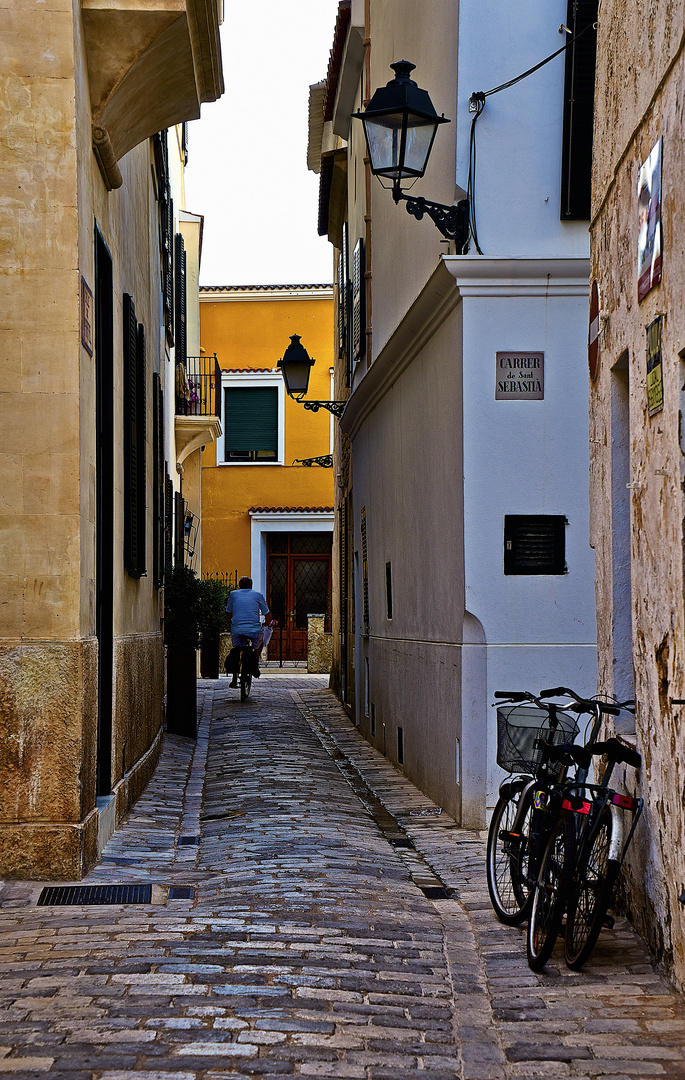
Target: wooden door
x,y
298,585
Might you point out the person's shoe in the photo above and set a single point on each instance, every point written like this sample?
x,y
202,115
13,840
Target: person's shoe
x,y
256,672
234,682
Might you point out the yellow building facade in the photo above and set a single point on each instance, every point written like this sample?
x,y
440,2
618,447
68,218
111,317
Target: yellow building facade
x,y
265,514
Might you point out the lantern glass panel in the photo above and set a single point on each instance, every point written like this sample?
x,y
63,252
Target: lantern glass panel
x,y
384,139
420,135
296,375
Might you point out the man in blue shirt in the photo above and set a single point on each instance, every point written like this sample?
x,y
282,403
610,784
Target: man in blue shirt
x,y
243,611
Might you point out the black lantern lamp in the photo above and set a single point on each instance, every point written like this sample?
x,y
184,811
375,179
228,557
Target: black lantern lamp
x,y
296,365
400,124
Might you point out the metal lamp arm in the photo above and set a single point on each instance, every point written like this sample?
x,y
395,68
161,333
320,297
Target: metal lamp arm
x,y
452,221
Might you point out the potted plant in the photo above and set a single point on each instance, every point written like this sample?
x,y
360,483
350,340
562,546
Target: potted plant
x,y
213,596
182,637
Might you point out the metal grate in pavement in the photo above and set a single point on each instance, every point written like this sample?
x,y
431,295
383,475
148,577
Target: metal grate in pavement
x,y
437,893
79,895
187,841
181,892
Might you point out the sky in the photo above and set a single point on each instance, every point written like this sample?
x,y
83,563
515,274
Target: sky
x,y
247,154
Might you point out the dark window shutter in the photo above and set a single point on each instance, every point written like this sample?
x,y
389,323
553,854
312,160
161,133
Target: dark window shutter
x,y
180,313
179,532
158,480
131,468
535,544
168,522
141,455
251,417
579,109
169,267
358,305
365,573
342,295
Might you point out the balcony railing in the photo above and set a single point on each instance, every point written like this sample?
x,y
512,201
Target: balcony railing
x,y
198,388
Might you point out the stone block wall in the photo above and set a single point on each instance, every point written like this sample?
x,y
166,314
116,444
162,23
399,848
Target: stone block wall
x,y
319,646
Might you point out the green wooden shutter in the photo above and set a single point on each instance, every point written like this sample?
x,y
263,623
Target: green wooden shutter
x,y
358,305
141,455
251,419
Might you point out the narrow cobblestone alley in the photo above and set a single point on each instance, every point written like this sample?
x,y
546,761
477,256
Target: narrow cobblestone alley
x,y
318,940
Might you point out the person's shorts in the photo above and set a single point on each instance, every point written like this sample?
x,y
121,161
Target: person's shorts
x,y
239,640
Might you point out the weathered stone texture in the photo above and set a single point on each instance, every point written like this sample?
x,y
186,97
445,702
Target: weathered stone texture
x,y
138,664
319,646
48,721
640,74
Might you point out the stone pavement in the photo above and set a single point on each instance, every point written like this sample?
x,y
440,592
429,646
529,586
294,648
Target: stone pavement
x,y
311,945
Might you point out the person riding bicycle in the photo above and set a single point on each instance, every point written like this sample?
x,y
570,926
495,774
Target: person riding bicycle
x,y
243,610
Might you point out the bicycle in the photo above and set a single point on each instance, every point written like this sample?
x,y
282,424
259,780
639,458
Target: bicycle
x,y
526,809
242,678
522,733
584,848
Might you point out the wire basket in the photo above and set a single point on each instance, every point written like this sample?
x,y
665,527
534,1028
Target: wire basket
x,y
521,730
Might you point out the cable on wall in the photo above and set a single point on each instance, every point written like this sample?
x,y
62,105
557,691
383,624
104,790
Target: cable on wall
x,y
476,106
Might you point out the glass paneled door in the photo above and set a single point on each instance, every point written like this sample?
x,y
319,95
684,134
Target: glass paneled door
x,y
298,585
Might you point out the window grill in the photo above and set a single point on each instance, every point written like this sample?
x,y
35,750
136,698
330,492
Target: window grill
x,y
535,544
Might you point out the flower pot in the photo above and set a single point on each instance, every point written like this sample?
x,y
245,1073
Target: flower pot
x,y
181,692
209,659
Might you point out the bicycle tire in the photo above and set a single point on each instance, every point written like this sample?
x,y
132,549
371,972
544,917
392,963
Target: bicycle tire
x,y
245,686
551,893
509,894
593,888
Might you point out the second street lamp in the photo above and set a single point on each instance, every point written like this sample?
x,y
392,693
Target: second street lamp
x,y
400,124
296,365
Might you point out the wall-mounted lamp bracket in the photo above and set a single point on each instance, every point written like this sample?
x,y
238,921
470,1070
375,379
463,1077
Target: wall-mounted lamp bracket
x,y
325,461
452,221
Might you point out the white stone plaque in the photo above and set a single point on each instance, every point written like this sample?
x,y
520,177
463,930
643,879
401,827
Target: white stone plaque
x,y
520,376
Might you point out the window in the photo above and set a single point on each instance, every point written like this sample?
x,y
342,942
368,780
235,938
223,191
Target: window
x,y
253,418
388,589
579,108
251,414
535,544
134,442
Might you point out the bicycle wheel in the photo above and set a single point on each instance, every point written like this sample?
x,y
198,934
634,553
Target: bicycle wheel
x,y
551,893
510,895
593,887
245,685
245,675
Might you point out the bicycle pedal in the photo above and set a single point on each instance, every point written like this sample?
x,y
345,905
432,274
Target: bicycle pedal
x,y
608,922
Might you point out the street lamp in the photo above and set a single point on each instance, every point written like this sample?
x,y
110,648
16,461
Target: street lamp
x,y
400,125
296,365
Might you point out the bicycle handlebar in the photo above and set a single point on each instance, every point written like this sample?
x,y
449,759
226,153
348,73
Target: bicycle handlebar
x,y
582,755
513,695
582,704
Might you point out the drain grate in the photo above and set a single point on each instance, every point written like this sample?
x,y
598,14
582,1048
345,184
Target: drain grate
x,y
187,841
79,895
432,892
401,842
181,892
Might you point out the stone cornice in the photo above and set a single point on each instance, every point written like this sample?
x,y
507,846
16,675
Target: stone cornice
x,y
454,278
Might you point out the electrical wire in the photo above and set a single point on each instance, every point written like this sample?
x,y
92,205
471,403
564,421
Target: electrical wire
x,y
476,106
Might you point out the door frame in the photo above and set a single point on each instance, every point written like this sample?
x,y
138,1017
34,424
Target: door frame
x,y
296,637
265,521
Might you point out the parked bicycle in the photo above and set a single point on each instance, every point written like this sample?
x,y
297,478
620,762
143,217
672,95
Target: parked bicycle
x,y
532,848
584,853
525,725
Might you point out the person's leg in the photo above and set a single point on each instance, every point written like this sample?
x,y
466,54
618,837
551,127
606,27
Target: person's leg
x,y
233,658
257,643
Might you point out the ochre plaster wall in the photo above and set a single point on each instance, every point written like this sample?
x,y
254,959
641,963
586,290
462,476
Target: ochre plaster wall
x,y
640,74
52,192
254,334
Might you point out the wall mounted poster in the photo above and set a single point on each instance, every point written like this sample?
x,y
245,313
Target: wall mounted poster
x,y
655,375
649,223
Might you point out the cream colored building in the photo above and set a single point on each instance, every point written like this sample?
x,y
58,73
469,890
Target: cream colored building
x,y
86,403
637,434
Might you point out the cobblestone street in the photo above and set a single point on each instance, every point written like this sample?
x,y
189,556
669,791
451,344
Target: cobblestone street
x,y
315,943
